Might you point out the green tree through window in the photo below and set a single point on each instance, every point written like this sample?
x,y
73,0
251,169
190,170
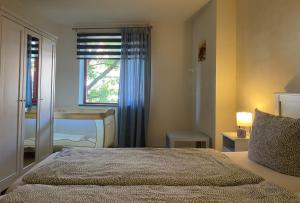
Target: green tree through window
x,y
102,77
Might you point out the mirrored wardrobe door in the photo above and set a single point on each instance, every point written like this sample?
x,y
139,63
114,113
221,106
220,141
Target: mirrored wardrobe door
x,y
31,98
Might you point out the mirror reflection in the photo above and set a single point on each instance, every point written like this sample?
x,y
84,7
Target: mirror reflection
x,y
31,100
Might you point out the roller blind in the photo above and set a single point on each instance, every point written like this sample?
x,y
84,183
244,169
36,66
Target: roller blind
x,y
99,45
33,47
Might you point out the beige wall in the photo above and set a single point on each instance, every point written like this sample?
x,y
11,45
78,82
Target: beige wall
x,y
225,69
67,69
171,95
257,54
268,61
171,90
215,78
204,28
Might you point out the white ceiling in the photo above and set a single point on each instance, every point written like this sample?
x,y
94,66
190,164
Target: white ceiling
x,y
75,12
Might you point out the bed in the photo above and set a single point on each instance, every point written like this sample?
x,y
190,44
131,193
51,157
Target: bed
x,y
264,185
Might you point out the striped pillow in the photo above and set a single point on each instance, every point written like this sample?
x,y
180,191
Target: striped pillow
x,y
275,143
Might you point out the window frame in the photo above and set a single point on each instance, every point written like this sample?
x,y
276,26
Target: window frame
x,y
85,103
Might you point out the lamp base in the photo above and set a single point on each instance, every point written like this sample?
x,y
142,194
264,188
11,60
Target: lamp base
x,y
241,133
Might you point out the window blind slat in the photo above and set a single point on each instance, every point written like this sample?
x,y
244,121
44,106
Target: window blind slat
x,y
97,34
98,57
82,53
98,45
88,40
36,52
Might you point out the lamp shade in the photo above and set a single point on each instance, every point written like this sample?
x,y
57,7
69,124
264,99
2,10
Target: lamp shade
x,y
244,119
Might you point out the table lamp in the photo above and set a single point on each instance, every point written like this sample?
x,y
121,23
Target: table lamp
x,y
243,120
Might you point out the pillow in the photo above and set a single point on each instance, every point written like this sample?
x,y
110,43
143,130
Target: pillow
x,y
275,143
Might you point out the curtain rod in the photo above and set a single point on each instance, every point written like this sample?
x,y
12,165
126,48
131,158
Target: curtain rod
x,y
104,28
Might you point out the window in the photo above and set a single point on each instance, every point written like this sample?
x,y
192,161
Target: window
x,y
101,81
99,56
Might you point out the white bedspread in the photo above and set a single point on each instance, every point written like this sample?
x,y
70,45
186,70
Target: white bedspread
x,y
292,183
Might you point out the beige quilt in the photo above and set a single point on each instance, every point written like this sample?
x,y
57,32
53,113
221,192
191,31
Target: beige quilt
x,y
170,167
263,192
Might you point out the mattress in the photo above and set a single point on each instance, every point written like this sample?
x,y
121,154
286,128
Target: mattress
x,y
66,140
292,183
90,142
29,142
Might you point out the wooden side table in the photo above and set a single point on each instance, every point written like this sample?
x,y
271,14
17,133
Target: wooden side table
x,y
233,143
200,139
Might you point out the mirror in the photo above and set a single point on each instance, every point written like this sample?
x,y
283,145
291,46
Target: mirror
x,y
31,100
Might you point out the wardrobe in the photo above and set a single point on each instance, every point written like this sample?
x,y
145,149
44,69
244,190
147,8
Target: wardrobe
x,y
27,70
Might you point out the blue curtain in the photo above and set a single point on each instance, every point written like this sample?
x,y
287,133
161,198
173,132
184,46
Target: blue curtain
x,y
28,96
134,95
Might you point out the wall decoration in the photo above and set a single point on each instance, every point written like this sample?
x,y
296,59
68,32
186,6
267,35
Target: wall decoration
x,y
202,52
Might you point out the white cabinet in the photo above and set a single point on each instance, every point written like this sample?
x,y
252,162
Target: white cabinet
x,y
233,143
27,64
46,98
11,63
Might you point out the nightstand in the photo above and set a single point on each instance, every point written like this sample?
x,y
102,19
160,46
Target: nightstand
x,y
232,143
198,139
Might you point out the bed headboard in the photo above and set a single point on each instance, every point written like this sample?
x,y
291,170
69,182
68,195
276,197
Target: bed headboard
x,y
288,105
